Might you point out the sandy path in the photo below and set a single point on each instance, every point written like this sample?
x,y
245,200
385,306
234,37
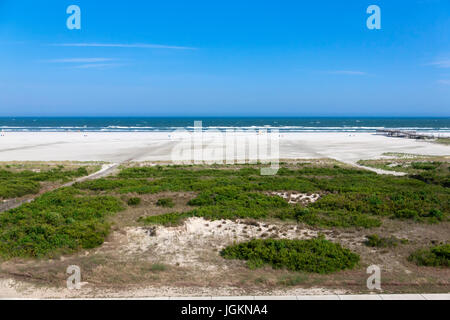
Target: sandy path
x,y
13,289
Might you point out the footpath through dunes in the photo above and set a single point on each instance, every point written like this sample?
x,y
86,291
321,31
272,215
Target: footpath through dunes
x,y
377,170
17,202
105,170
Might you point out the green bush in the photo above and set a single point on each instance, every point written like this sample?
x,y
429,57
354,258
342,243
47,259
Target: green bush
x,y
375,240
292,280
165,202
18,188
60,221
19,183
337,218
168,219
315,255
134,201
350,197
157,267
437,256
425,165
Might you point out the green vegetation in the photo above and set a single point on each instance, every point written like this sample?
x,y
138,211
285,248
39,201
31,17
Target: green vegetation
x,y
134,201
157,267
437,256
60,221
375,240
351,197
333,218
315,255
13,188
445,141
75,217
426,165
19,183
433,178
419,167
292,280
165,202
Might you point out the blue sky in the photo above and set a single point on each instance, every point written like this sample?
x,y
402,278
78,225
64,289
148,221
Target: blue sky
x,y
224,58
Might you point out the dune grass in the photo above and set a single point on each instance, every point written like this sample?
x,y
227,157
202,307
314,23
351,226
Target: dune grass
x,y
60,221
351,197
445,141
436,256
19,183
314,255
376,241
71,218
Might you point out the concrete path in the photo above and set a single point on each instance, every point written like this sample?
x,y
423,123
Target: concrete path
x,y
104,171
14,203
422,296
378,171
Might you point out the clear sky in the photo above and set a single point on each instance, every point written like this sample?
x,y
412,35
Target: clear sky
x,y
224,58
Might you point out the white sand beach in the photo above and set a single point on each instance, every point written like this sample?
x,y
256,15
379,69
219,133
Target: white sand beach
x,y
158,146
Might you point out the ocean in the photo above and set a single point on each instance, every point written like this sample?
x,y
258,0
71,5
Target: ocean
x,y
167,124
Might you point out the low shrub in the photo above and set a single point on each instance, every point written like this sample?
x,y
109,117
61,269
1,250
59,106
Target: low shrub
x,y
134,201
293,280
60,221
165,202
349,197
19,183
157,267
315,255
18,188
337,218
375,240
238,211
168,219
425,165
437,256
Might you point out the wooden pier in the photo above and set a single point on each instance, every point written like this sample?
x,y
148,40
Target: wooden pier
x,y
409,134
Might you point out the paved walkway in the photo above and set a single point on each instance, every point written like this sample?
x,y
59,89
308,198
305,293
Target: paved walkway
x,y
378,171
14,203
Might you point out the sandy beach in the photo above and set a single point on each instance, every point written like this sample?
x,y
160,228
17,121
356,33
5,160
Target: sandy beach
x,y
158,146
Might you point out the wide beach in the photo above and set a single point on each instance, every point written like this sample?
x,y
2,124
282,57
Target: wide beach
x,y
158,146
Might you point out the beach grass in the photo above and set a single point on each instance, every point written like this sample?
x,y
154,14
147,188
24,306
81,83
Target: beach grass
x,y
432,170
445,141
350,197
436,256
71,218
60,221
19,179
316,255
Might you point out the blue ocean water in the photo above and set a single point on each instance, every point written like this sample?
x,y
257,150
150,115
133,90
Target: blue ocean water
x,y
143,124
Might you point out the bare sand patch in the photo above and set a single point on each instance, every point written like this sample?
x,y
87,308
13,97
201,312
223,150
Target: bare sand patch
x,y
197,242
294,197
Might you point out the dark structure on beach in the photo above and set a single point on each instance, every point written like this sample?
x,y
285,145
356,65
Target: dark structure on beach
x,y
410,134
